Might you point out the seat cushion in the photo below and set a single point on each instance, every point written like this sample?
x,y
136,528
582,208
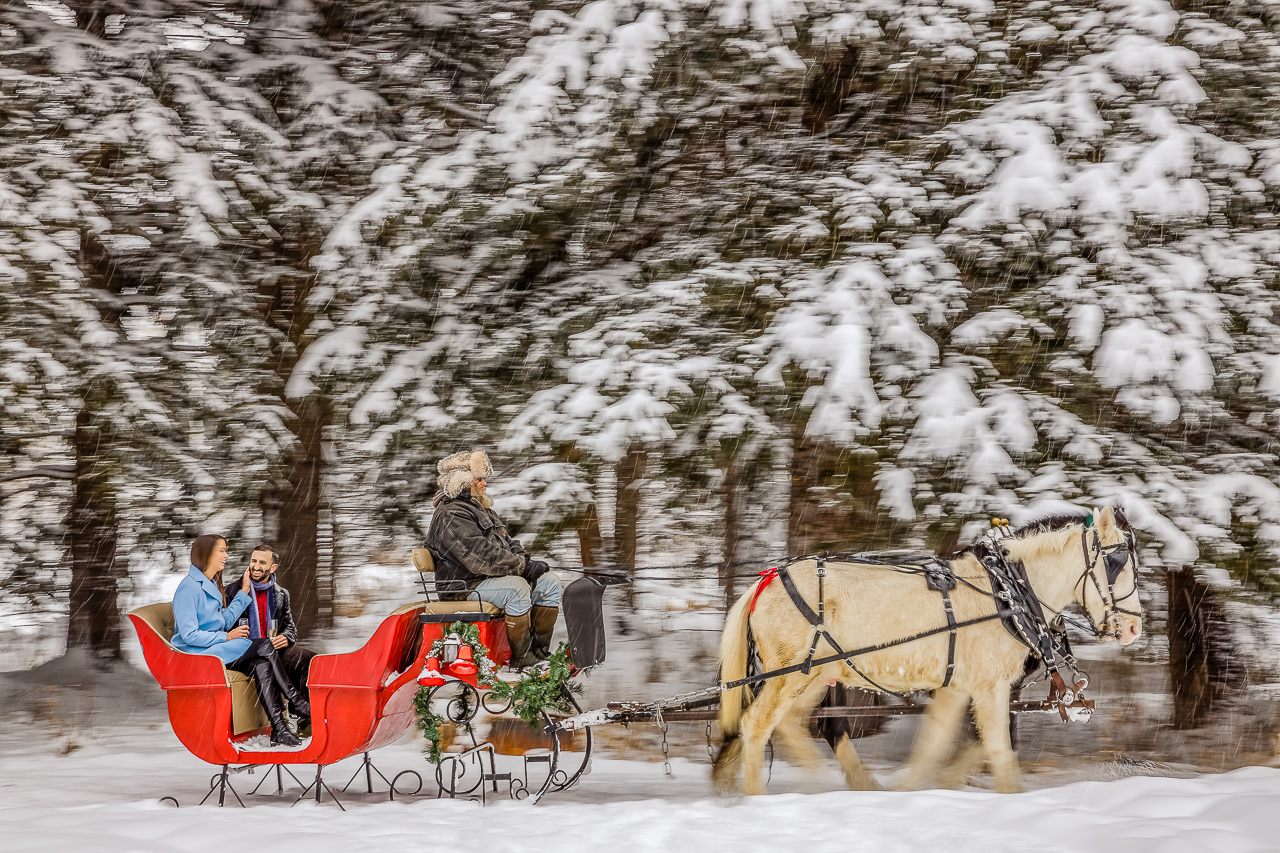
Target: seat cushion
x,y
423,561
437,607
159,617
247,712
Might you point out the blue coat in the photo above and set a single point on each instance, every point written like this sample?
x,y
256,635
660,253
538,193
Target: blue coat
x,y
200,622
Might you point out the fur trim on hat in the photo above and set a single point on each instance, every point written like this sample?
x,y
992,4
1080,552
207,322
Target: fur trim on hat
x,y
459,470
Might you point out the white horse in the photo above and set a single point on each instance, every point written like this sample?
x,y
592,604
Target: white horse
x,y
1086,560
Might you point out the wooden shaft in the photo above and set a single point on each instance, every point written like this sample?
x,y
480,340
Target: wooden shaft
x,y
703,714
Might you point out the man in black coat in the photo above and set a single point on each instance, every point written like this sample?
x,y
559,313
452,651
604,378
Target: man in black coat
x,y
269,615
472,551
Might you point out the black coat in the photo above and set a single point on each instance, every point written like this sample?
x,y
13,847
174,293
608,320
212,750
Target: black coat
x,y
285,626
470,544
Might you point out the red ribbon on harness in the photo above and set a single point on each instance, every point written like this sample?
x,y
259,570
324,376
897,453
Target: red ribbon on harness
x,y
766,578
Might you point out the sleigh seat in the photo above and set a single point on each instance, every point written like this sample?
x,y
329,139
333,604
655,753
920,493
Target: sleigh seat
x,y
247,714
437,613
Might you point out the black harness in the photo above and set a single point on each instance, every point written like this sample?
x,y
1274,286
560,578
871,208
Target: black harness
x,y
1024,616
1017,607
938,576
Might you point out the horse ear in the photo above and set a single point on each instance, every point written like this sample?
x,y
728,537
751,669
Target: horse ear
x,y
1105,519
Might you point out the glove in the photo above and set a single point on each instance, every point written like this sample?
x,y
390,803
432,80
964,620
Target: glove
x,y
534,569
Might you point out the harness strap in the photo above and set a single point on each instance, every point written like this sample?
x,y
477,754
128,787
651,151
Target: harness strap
x,y
819,632
939,578
845,656
797,599
951,641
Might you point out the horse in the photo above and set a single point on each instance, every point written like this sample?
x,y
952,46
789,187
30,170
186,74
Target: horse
x,y
1089,560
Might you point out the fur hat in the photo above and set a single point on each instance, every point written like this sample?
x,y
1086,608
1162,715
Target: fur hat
x,y
459,470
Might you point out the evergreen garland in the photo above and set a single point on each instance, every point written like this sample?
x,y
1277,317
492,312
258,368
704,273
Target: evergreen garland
x,y
429,721
469,634
540,690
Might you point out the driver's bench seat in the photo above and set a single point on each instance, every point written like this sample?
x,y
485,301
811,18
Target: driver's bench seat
x,y
438,613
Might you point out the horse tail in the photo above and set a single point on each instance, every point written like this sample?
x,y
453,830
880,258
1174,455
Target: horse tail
x,y
733,664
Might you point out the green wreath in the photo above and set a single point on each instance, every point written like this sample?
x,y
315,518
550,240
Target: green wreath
x,y
541,690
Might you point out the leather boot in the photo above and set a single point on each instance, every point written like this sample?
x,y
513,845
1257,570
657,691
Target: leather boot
x,y
301,707
543,621
520,638
280,734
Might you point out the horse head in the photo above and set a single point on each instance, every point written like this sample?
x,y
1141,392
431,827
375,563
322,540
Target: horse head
x,y
1108,586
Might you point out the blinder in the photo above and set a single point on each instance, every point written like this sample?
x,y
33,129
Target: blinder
x,y
1115,561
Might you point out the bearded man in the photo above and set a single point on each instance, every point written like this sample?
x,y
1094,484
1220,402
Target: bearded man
x,y
269,615
473,552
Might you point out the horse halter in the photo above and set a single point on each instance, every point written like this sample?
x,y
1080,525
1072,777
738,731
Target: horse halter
x,y
1114,559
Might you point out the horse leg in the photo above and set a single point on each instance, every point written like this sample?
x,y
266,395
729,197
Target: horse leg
x,y
937,734
792,734
769,709
968,760
856,775
991,712
969,756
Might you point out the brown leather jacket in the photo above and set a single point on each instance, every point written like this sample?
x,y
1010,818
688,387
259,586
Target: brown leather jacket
x,y
470,543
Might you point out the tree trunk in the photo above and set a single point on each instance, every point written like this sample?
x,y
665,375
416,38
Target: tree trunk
x,y
811,524
834,503
732,530
91,15
627,513
590,540
300,506
94,620
1202,664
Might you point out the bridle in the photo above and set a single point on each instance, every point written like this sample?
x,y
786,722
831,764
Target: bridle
x,y
1114,559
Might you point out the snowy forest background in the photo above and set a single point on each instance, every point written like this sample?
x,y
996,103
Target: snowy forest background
x,y
714,281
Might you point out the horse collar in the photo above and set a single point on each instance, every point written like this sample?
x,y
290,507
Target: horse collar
x,y
1022,614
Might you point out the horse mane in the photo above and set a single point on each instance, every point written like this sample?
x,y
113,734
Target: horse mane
x,y
1048,524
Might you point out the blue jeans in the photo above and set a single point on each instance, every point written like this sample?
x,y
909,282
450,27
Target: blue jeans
x,y
514,596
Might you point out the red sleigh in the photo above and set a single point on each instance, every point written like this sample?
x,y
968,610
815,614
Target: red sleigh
x,y
360,700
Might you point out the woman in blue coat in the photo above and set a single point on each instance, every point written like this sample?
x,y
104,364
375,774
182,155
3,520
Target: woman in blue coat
x,y
202,625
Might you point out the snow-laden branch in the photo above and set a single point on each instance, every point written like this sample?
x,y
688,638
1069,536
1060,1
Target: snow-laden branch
x,y
52,472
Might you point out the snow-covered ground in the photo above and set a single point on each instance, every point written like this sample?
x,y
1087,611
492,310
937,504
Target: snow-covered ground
x,y
87,757
104,797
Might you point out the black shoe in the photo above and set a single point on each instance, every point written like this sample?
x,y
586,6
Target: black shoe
x,y
281,736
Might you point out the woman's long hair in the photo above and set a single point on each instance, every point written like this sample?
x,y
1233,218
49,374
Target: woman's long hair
x,y
202,550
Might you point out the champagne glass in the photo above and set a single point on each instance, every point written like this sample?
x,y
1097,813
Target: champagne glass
x,y
275,624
